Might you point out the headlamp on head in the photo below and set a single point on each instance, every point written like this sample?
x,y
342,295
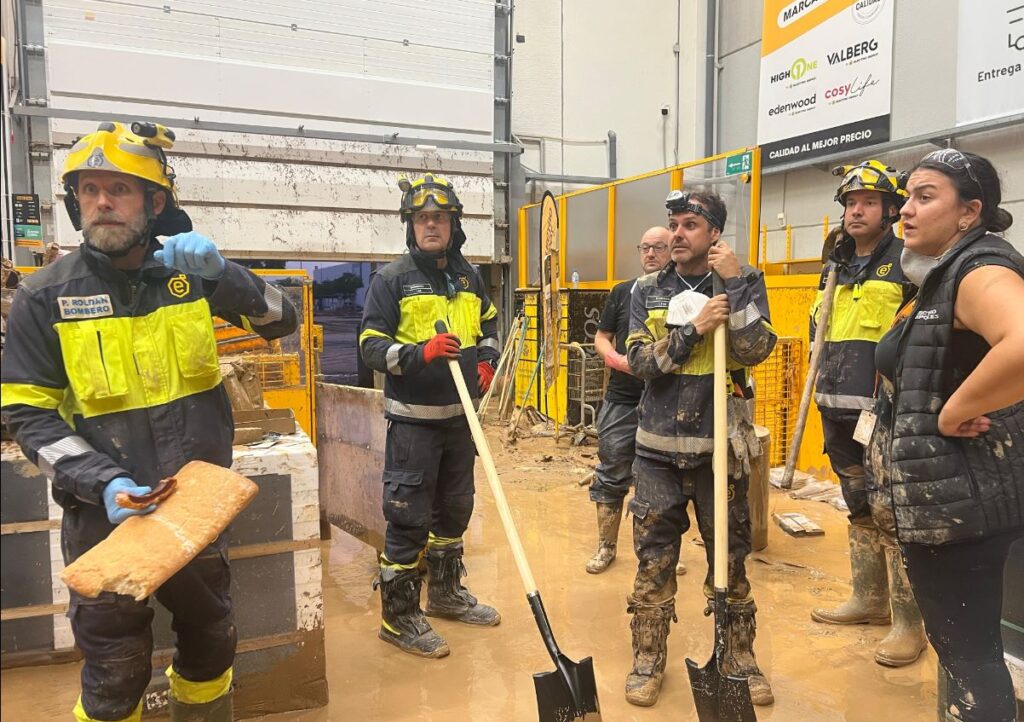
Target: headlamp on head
x,y
679,202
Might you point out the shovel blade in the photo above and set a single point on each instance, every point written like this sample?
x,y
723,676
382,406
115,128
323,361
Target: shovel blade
x,y
719,697
555,699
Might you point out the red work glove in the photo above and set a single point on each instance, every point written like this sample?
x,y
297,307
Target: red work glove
x,y
443,345
484,375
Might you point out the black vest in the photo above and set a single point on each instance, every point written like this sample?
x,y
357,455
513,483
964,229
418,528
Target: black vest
x,y
948,489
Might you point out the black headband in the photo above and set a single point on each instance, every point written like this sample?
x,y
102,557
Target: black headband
x,y
679,202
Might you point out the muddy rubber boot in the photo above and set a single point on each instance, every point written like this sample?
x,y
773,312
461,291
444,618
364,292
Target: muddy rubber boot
x,y
739,659
650,627
608,518
402,621
446,597
869,603
906,640
218,710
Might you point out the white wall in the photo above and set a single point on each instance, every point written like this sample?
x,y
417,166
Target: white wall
x,y
416,69
590,67
924,102
266,197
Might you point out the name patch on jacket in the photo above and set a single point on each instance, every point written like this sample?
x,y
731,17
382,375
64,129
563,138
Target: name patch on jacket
x,y
654,301
928,314
417,289
85,306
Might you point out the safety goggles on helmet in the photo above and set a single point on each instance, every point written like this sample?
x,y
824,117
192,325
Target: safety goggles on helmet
x,y
871,175
428,189
679,202
956,161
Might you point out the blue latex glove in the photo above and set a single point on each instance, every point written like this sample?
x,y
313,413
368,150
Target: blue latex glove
x,y
117,514
192,253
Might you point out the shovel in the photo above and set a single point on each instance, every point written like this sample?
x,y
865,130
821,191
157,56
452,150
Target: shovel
x,y
570,692
719,697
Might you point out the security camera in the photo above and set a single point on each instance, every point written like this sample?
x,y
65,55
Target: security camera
x,y
664,109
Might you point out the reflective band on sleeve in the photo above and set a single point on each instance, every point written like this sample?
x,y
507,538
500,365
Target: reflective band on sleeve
x,y
50,454
843,401
392,359
745,317
490,343
275,303
371,333
42,397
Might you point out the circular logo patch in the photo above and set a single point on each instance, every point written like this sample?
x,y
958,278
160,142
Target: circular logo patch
x,y
884,270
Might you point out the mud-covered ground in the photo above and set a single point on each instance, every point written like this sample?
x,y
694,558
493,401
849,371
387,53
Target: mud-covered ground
x,y
819,673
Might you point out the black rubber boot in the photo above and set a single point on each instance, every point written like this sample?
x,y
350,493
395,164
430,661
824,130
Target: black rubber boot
x,y
446,597
739,659
219,710
402,621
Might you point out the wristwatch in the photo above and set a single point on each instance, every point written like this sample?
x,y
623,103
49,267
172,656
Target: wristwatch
x,y
690,336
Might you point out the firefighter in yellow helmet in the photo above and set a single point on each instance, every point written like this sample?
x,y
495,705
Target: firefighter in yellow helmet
x,y
111,383
428,467
870,288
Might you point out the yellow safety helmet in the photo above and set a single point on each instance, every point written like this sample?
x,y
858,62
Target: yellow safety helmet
x,y
871,175
138,151
429,188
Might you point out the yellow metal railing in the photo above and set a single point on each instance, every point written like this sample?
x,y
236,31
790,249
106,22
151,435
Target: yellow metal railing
x,y
675,177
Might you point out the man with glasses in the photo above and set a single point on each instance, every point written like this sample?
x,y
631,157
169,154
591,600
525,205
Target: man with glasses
x,y
675,435
870,288
429,454
616,423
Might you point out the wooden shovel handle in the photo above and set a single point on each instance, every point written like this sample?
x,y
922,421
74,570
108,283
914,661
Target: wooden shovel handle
x,y
492,477
812,375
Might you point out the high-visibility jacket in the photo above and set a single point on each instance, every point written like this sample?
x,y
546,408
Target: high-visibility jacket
x,y
106,374
676,411
865,302
403,304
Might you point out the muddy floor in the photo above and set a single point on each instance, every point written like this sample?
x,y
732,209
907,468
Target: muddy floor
x,y
819,673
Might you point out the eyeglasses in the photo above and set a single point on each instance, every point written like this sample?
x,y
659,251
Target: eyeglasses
x,y
952,158
645,249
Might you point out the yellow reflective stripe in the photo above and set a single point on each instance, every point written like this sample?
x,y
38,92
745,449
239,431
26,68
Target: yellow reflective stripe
x,y
189,692
864,312
433,542
386,563
418,314
390,628
42,397
701,361
81,716
370,333
489,313
122,364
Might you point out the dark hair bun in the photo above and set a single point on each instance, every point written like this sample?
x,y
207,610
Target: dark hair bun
x,y
1001,220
